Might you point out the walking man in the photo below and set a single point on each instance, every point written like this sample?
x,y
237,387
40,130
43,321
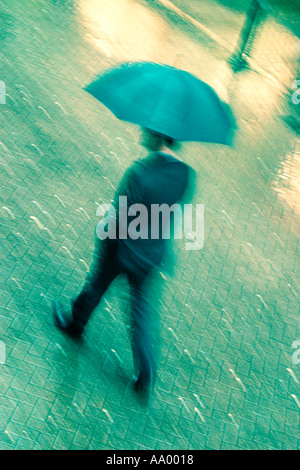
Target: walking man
x,y
161,178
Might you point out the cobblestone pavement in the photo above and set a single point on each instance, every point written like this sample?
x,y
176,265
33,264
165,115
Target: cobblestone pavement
x,y
229,313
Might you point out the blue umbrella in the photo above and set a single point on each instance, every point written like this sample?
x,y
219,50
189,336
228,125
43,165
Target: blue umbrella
x,y
165,99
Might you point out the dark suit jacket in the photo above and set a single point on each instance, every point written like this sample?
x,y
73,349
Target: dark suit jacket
x,y
158,179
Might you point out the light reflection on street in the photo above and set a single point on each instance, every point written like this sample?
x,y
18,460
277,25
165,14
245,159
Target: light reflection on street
x,y
125,30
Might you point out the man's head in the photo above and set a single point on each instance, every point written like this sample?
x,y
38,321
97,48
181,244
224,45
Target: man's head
x,y
155,141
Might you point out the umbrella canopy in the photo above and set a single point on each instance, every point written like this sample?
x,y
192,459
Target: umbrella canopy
x,y
165,99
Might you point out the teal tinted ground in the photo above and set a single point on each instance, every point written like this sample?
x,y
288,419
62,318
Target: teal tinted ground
x,y
229,313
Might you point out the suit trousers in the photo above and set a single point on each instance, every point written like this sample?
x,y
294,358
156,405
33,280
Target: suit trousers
x,y
107,266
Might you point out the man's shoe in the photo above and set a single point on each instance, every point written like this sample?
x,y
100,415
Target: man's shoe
x,y
137,384
140,386
64,322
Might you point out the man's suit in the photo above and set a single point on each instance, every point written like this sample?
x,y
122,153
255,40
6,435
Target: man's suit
x,y
158,179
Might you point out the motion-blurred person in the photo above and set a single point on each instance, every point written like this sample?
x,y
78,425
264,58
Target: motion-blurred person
x,y
160,178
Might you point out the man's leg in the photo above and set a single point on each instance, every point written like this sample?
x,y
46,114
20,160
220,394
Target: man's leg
x,y
104,270
144,334
90,296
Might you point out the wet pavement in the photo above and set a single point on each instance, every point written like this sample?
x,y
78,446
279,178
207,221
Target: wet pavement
x,y
230,312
